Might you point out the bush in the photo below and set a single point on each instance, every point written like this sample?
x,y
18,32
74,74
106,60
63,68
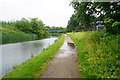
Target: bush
x,y
109,25
116,27
112,27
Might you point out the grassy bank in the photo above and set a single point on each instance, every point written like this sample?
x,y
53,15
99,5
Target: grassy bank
x,y
22,30
98,54
17,37
35,66
13,35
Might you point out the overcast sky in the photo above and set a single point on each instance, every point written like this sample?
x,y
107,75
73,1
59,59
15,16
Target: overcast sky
x,y
51,12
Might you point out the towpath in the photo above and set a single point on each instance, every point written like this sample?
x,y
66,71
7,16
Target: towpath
x,y
65,62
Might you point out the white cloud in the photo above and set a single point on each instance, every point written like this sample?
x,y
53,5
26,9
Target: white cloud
x,y
51,12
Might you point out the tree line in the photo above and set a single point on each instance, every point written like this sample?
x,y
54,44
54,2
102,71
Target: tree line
x,y
31,26
23,30
87,13
55,28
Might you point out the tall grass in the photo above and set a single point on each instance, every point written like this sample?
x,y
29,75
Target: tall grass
x,y
98,54
13,35
17,37
35,66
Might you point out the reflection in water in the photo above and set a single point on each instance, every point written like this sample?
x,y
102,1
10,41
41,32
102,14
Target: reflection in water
x,y
66,50
16,53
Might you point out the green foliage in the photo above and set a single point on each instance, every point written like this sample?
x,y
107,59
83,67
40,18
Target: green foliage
x,y
116,27
23,25
84,13
110,9
10,34
112,27
110,21
35,66
23,30
98,54
15,66
54,28
88,13
109,25
37,27
17,37
72,23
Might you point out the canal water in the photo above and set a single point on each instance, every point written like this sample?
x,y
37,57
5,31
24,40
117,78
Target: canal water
x,y
16,53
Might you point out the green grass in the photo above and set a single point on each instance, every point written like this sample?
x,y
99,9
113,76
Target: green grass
x,y
17,37
13,35
98,54
35,66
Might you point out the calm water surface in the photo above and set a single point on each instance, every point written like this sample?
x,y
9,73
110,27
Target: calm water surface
x,y
16,53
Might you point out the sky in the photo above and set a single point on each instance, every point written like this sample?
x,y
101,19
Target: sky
x,y
51,12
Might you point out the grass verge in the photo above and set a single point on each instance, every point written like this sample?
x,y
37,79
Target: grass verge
x,y
98,54
35,66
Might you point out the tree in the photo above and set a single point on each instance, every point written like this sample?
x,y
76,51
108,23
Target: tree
x,y
84,12
109,9
89,12
72,23
37,27
24,25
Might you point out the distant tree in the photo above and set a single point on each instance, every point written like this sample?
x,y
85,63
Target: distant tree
x,y
72,23
84,12
29,26
24,25
37,27
54,28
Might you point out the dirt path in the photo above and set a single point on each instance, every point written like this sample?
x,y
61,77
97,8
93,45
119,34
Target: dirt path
x,y
64,64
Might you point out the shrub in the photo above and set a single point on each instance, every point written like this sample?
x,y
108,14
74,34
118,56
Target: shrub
x,y
112,27
116,27
109,25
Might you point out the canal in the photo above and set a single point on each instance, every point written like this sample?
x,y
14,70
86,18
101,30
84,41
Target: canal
x,y
14,54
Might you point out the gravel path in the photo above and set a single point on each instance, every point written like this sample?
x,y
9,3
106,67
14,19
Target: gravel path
x,y
65,62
